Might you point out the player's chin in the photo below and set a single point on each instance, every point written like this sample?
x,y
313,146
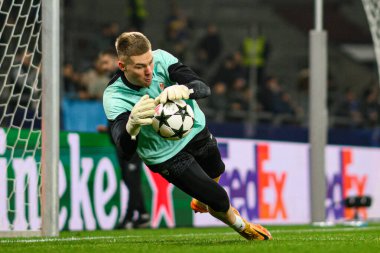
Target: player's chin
x,y
147,82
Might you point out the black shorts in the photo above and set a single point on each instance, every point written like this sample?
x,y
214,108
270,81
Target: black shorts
x,y
203,149
193,169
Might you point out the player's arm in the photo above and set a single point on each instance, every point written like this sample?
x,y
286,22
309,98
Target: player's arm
x,y
190,85
126,126
184,75
121,137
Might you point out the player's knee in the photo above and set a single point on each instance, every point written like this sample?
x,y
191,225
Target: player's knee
x,y
218,172
220,203
221,170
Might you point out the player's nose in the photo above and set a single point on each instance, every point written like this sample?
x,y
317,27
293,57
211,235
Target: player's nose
x,y
148,70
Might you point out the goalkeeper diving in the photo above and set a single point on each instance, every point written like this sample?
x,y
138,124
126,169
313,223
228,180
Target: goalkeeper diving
x,y
193,163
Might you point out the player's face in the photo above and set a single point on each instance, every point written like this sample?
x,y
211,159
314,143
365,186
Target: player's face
x,y
139,69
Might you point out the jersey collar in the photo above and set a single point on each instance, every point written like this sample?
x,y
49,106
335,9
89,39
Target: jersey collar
x,y
127,83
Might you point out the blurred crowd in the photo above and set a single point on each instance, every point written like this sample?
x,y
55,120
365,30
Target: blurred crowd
x,y
242,90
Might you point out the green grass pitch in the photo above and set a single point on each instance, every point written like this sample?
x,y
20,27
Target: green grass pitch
x,y
290,239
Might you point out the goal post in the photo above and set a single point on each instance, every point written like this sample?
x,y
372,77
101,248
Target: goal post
x,y
50,119
318,115
29,117
372,10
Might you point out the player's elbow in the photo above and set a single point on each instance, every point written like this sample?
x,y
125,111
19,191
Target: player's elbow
x,y
200,89
204,90
124,152
207,91
126,147
127,157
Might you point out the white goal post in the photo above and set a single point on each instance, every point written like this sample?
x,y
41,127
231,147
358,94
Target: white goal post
x,y
29,117
372,9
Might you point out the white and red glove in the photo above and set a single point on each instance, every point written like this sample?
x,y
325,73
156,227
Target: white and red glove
x,y
174,92
141,114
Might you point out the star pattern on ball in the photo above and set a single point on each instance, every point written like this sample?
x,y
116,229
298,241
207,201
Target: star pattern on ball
x,y
166,126
163,119
178,133
181,111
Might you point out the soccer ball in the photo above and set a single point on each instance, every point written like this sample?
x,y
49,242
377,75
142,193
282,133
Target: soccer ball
x,y
173,120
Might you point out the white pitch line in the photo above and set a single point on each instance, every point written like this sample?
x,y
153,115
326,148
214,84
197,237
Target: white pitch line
x,y
115,238
318,229
69,239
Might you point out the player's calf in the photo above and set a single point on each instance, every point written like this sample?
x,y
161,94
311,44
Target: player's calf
x,y
198,206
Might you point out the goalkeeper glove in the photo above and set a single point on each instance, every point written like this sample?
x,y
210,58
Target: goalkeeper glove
x,y
141,114
173,92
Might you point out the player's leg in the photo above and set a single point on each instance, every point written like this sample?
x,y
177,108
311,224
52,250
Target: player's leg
x,y
185,173
232,218
246,229
206,153
198,206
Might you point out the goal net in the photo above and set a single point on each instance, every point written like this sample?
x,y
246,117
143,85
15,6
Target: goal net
x,y
28,205
372,9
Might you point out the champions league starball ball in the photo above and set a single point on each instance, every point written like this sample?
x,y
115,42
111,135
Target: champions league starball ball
x,y
173,120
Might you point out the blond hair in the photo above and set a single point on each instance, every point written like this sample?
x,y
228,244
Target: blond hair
x,y
130,44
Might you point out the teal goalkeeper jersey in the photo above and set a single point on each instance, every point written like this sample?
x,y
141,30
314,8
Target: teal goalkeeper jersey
x,y
120,97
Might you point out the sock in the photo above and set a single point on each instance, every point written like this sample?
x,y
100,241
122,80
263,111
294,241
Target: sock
x,y
239,224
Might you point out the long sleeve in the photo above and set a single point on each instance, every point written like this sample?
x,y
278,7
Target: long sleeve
x,y
120,136
184,75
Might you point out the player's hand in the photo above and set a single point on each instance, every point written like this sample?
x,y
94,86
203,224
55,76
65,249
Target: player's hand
x,y
173,92
141,114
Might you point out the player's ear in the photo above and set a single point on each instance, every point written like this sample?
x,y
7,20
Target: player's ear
x,y
121,65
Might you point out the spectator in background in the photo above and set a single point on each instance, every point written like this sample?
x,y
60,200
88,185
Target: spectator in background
x,y
226,71
136,215
275,100
269,95
22,84
94,81
255,50
108,36
332,91
218,102
22,75
347,110
71,81
131,170
302,94
230,70
108,62
370,108
239,97
177,32
291,111
137,14
240,69
210,46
